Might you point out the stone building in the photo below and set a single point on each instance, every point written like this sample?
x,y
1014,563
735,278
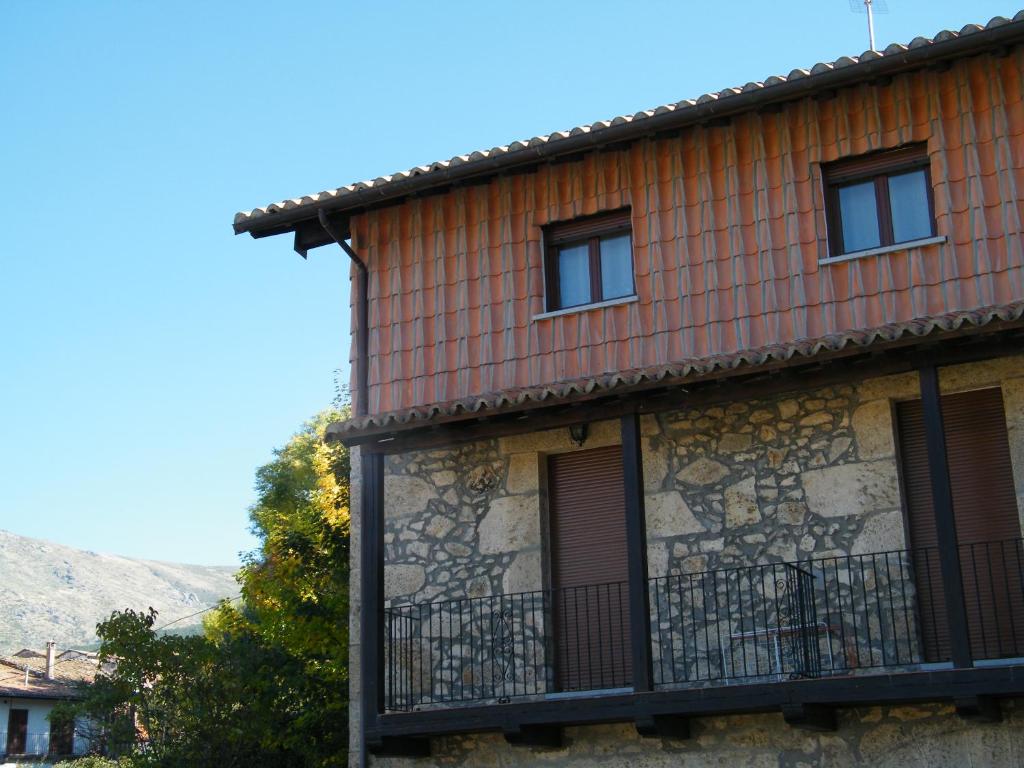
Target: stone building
x,y
696,436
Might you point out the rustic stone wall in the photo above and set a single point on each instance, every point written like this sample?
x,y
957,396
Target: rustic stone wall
x,y
806,475
769,480
467,521
892,737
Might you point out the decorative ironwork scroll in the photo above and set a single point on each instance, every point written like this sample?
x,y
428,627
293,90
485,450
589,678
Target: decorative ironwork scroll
x,y
502,644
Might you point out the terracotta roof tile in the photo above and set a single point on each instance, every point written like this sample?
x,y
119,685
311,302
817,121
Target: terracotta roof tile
x,y
245,218
69,674
682,371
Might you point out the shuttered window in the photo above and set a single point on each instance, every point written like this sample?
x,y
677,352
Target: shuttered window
x,y
589,569
589,260
987,524
879,199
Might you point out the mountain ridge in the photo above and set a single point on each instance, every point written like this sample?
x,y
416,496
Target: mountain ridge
x,y
51,591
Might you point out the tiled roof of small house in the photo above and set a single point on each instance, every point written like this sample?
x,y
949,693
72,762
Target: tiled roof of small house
x,y
944,42
687,370
69,673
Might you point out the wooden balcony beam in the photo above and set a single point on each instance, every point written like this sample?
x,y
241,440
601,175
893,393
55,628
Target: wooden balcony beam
x,y
973,688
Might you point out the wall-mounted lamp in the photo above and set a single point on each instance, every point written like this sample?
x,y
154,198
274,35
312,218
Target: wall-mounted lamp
x,y
578,433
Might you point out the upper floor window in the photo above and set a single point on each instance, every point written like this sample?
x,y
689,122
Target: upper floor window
x,y
879,200
589,260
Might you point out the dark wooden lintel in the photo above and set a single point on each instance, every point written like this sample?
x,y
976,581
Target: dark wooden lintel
x,y
539,736
400,746
883,689
978,709
664,726
810,717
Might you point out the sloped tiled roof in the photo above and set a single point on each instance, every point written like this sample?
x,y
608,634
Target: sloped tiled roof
x,y
69,674
682,372
945,42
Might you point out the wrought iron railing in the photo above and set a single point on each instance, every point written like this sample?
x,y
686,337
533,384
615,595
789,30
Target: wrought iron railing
x,y
34,744
506,646
756,621
840,615
466,650
993,579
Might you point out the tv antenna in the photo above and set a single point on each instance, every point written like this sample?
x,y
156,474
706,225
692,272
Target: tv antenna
x,y
869,7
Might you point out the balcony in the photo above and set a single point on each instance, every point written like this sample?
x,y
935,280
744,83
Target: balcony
x,y
32,745
855,616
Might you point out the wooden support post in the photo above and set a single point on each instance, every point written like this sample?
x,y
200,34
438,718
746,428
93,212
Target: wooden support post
x,y
810,717
636,545
945,523
371,565
664,726
542,736
978,709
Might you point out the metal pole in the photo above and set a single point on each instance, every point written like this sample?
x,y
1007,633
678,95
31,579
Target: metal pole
x,y
871,25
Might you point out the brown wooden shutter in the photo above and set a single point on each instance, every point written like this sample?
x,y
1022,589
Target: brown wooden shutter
x,y
62,738
17,731
588,226
987,524
888,161
589,569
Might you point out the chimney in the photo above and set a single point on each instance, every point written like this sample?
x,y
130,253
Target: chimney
x,y
51,654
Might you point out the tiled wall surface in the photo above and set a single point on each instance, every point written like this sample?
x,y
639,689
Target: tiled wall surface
x,y
728,229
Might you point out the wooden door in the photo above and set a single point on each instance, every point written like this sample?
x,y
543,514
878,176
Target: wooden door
x,y
589,569
987,524
17,731
62,738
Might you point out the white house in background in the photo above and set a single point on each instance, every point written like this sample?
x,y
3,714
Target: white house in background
x,y
32,683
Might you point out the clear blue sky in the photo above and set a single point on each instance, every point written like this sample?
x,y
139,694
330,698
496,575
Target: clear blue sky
x,y
149,359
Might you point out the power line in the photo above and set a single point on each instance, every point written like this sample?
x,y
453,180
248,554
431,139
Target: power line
x,y
197,613
18,675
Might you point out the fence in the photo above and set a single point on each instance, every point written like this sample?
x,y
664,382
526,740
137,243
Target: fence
x,y
839,615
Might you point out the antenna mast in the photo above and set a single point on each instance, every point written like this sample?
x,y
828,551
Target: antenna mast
x,y
869,7
871,24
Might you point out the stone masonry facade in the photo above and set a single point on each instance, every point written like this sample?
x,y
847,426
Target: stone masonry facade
x,y
808,474
929,736
804,475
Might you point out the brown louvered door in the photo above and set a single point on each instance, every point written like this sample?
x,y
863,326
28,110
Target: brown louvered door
x,y
590,601
17,731
987,524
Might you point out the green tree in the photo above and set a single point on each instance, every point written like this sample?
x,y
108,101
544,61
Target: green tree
x,y
295,587
267,682
192,701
